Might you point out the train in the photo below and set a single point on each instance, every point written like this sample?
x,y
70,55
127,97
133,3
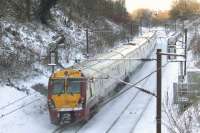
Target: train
x,y
74,93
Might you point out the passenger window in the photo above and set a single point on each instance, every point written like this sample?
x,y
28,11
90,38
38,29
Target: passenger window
x,y
91,94
101,83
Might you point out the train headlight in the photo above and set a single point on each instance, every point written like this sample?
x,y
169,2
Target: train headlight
x,y
51,104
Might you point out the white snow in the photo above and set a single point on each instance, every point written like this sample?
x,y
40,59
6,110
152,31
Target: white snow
x,y
31,118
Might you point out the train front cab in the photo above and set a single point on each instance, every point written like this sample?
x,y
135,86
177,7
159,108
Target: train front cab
x,y
66,97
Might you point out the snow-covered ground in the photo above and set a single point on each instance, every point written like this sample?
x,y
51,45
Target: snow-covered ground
x,y
21,112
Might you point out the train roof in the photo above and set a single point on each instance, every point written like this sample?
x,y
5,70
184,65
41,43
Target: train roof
x,y
70,73
91,67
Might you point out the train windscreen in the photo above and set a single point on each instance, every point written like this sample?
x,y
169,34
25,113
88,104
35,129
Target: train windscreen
x,y
73,85
58,86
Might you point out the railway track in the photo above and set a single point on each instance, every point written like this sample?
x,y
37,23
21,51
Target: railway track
x,y
118,118
141,114
70,128
137,95
127,106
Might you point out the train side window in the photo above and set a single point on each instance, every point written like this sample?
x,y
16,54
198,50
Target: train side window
x,y
91,94
92,87
113,70
118,69
99,82
102,83
88,93
96,85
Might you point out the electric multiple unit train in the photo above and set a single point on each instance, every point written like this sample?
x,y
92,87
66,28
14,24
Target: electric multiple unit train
x,y
74,93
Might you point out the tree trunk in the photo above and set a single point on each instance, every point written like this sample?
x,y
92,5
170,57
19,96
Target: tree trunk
x,y
28,10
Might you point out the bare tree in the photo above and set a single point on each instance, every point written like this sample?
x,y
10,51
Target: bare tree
x,y
45,6
28,10
177,122
184,8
